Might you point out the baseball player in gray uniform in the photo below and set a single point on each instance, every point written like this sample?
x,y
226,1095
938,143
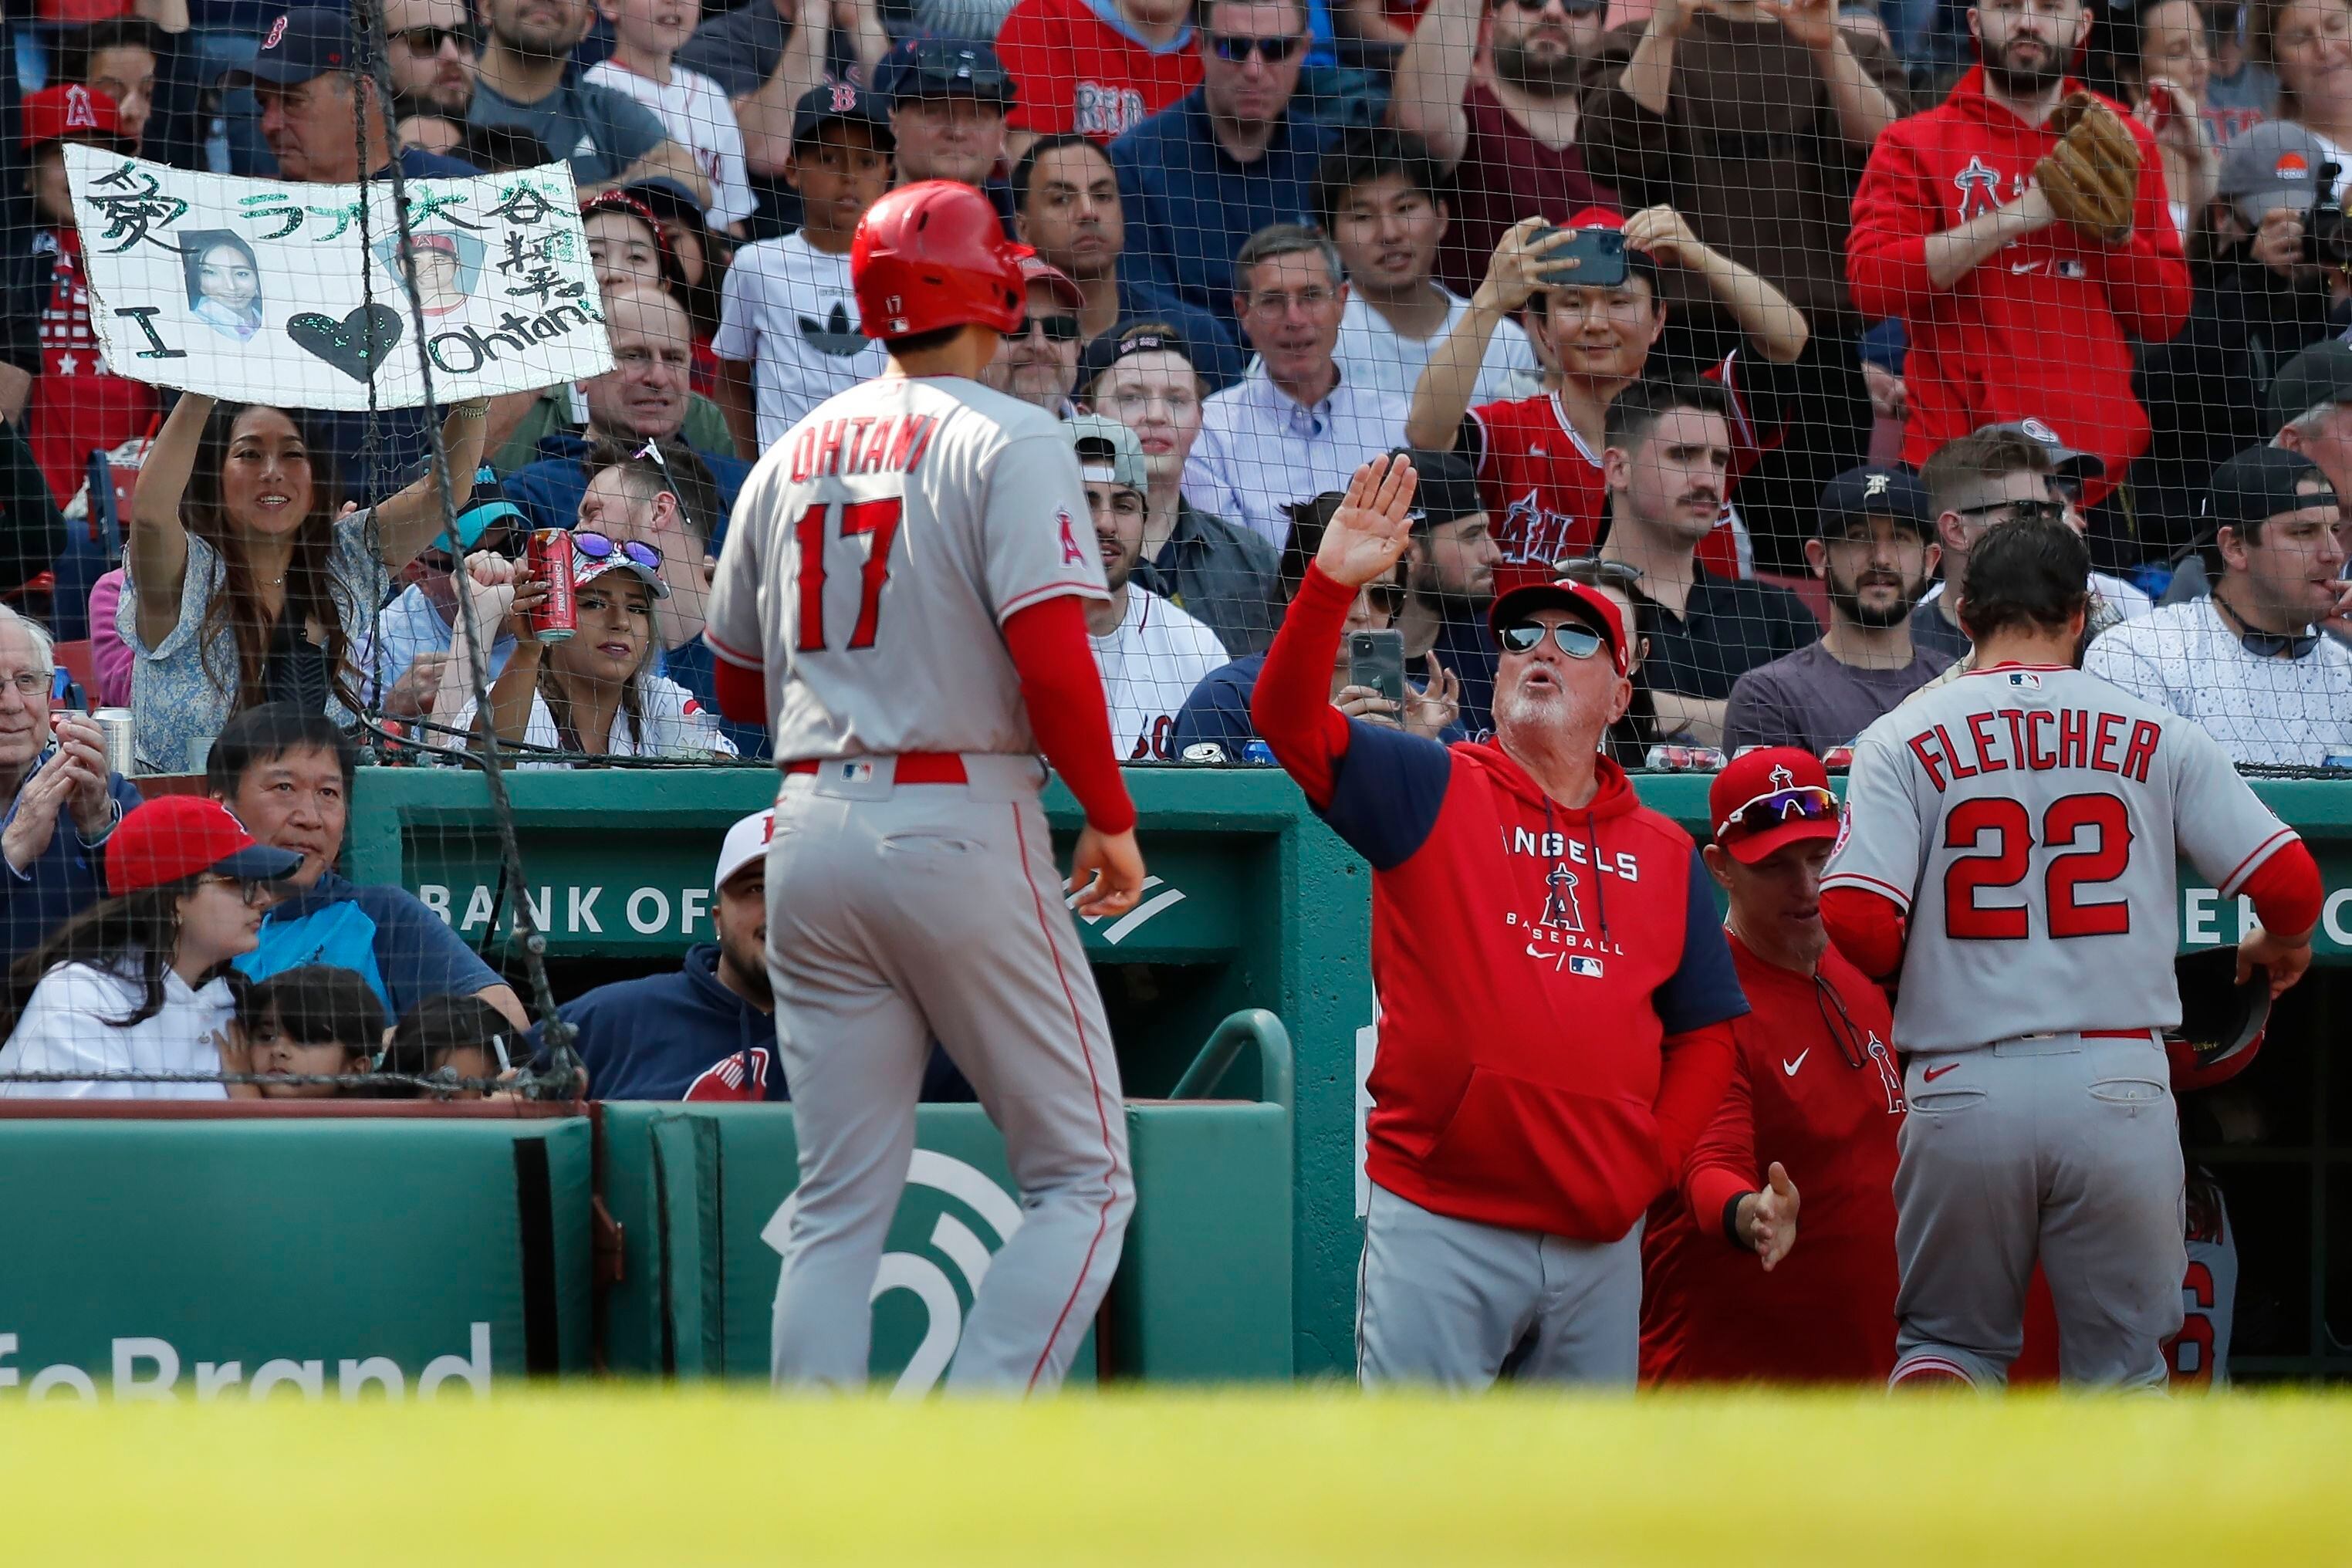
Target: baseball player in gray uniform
x,y
2009,855
901,599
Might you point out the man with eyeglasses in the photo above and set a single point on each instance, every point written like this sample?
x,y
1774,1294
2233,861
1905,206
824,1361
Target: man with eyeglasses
x,y
1296,425
1816,1102
2010,312
2250,663
1555,992
1873,554
432,44
1037,361
63,802
1504,118
1150,653
1225,161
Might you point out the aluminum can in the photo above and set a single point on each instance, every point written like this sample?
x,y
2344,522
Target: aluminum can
x,y
1684,760
547,555
1257,752
114,724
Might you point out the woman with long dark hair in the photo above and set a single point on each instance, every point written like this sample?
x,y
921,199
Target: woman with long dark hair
x,y
254,591
137,982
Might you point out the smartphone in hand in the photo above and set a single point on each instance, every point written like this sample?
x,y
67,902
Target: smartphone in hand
x,y
1376,659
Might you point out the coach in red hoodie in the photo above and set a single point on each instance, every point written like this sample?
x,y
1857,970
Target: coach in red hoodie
x,y
1554,990
2011,313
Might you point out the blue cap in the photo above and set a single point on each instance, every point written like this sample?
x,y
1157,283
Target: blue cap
x,y
299,45
821,106
1867,491
486,509
943,67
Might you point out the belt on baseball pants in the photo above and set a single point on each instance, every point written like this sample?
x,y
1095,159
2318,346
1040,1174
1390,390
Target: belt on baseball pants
x,y
911,768
2041,1044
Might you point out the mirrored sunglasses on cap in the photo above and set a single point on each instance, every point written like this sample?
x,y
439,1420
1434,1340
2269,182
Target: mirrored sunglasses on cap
x,y
1805,802
590,545
1574,638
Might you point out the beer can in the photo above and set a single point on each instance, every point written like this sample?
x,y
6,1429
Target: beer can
x,y
547,555
114,725
1684,760
1838,760
1207,752
1257,752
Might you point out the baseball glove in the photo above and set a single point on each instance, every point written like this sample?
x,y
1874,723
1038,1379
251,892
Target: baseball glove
x,y
2092,177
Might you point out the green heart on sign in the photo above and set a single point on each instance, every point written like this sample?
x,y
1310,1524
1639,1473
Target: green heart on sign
x,y
355,344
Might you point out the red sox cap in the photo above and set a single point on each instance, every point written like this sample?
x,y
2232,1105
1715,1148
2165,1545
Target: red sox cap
x,y
1766,798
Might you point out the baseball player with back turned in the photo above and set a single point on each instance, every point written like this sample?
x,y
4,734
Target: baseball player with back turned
x,y
2009,851
901,600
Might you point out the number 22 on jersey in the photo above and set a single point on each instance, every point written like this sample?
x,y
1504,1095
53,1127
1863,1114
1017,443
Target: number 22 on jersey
x,y
878,522
2093,833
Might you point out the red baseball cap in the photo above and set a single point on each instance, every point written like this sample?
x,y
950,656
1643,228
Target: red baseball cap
x,y
71,113
176,836
1596,217
1778,794
1589,605
1035,270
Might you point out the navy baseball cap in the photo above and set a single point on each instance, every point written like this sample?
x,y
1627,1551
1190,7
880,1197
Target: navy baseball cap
x,y
1896,494
297,45
943,67
2264,482
1447,490
1128,338
2065,463
821,106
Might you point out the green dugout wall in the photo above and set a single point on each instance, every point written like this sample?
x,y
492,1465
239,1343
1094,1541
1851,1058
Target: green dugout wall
x,y
1256,904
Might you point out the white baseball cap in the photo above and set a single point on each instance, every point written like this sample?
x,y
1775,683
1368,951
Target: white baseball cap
x,y
747,841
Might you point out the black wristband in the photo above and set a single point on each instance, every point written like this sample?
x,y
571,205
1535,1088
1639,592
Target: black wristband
x,y
1731,1232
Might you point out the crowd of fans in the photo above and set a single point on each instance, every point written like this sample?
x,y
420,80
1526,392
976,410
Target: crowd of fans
x,y
1745,313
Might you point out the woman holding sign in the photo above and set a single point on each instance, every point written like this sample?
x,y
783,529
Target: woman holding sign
x,y
253,591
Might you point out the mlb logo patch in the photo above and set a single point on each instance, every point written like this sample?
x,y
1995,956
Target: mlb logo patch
x,y
2024,680
856,772
1587,967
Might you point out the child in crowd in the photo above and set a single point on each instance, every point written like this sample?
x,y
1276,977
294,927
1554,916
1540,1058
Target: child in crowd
x,y
78,405
788,335
647,36
317,1021
462,1038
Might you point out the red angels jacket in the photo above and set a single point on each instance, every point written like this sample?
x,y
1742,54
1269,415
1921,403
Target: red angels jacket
x,y
2040,329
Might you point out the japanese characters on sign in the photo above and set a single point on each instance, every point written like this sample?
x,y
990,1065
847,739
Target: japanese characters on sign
x,y
300,295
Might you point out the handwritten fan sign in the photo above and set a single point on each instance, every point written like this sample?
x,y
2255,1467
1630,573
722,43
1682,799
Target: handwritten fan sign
x,y
270,291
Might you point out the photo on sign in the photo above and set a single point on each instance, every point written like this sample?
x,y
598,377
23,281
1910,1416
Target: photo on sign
x,y
270,291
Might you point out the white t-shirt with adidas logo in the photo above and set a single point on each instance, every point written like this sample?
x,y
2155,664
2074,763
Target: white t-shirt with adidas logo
x,y
787,309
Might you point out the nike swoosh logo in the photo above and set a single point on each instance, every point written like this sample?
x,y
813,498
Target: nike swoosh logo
x,y
1932,1073
1790,1068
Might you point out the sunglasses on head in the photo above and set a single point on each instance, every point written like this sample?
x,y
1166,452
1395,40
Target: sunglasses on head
x,y
1805,802
428,40
592,546
1572,637
1272,51
1058,329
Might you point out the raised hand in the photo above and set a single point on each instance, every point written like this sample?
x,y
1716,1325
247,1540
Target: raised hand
x,y
1661,234
1514,272
1813,22
1433,710
1372,528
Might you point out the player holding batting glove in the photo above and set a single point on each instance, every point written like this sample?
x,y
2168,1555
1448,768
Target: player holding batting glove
x,y
1555,990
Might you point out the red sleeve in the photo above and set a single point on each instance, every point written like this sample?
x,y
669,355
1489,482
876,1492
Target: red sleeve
x,y
1886,248
2147,275
1722,1163
2287,890
1044,73
1694,1068
1062,691
743,691
1291,708
1867,928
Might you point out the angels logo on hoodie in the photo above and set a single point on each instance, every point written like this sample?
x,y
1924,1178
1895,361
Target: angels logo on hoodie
x,y
742,1076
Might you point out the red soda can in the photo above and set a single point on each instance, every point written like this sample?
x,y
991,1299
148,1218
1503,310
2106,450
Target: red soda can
x,y
547,555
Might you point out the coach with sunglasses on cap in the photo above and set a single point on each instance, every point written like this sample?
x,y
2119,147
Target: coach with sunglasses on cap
x,y
1222,162
1816,1098
1555,990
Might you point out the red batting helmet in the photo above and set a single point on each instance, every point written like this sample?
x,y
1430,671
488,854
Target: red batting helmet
x,y
2221,1022
932,255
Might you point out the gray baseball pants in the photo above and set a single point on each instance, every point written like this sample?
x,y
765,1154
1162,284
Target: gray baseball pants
x,y
896,915
2063,1147
1445,1302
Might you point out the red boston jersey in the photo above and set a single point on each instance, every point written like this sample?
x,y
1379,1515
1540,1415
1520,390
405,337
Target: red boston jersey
x,y
1077,72
78,406
1709,1313
1546,496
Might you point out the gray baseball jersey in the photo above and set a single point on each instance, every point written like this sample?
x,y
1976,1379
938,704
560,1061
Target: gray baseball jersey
x,y
877,549
2028,821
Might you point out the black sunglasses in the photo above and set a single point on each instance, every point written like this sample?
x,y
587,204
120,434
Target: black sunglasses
x,y
424,41
1272,51
2019,510
1058,329
1387,598
1574,640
